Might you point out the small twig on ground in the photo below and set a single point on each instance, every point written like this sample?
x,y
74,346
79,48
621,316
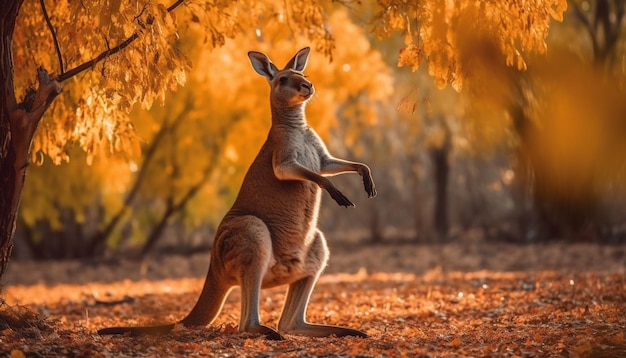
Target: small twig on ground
x,y
126,299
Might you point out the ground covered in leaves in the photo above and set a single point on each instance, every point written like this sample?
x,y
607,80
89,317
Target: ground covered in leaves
x,y
453,300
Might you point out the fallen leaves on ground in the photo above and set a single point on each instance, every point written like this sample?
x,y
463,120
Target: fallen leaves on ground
x,y
448,314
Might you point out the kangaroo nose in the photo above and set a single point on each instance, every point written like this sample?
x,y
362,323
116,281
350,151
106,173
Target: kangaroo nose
x,y
306,85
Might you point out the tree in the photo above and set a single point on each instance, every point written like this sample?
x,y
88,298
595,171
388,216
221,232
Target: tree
x,y
560,127
464,44
602,21
568,154
18,122
440,157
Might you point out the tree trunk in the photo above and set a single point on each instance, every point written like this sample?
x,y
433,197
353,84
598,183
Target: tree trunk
x,y
375,225
441,170
415,173
18,123
10,180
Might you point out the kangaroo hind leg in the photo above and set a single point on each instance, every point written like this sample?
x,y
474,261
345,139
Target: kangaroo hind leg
x,y
247,253
293,318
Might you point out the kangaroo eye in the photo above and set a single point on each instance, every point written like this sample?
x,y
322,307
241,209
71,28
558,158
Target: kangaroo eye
x,y
283,80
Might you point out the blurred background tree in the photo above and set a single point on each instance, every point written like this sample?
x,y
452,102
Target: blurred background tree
x,y
468,113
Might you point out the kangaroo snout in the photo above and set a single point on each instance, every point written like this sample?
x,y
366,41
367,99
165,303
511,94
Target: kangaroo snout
x,y
306,89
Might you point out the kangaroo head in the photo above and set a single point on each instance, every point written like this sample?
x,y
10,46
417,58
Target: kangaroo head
x,y
289,87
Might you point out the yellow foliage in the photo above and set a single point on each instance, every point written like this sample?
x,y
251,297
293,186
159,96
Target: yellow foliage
x,y
569,127
73,186
93,110
578,144
432,29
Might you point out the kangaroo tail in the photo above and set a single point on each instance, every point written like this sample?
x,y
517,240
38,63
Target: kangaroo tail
x,y
204,312
210,302
138,331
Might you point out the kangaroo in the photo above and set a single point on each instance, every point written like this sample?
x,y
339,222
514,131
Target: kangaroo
x,y
270,236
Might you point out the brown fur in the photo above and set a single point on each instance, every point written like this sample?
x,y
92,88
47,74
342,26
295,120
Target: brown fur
x,y
270,236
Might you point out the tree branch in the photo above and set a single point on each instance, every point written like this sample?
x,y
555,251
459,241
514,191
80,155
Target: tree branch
x,y
109,52
591,30
54,35
173,207
24,119
582,17
29,112
102,235
47,90
174,5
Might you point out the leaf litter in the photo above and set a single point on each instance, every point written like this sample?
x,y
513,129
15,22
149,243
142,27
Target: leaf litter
x,y
570,311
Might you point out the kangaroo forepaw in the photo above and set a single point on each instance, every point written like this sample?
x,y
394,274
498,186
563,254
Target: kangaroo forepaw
x,y
370,188
368,182
341,199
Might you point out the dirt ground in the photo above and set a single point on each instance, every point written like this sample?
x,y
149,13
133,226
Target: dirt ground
x,y
455,300
345,258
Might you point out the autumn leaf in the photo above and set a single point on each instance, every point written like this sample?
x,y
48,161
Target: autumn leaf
x,y
17,354
618,339
456,342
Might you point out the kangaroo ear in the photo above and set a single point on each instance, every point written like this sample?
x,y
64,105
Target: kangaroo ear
x,y
298,62
262,65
